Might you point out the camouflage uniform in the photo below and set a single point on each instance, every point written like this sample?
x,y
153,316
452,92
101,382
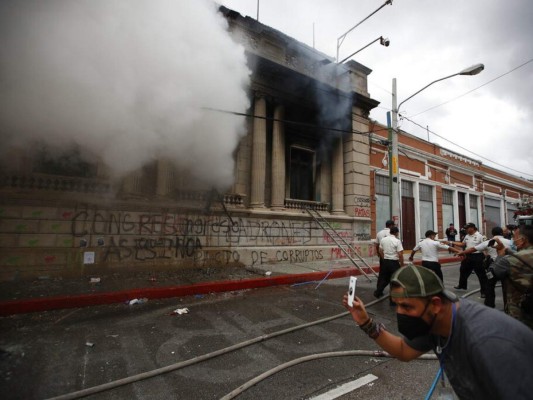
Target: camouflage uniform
x,y
520,280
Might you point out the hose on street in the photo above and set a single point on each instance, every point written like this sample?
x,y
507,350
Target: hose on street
x,y
173,367
281,367
349,353
176,366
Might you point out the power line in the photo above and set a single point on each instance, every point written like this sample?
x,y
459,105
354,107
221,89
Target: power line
x,y
463,148
314,126
297,123
470,91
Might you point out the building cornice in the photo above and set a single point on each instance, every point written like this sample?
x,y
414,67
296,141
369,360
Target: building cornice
x,y
425,157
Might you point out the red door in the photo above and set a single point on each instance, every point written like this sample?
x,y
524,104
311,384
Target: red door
x,y
408,223
462,210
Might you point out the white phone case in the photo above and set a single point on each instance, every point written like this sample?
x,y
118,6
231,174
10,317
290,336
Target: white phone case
x,y
351,290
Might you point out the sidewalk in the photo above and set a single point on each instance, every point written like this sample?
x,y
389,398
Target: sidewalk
x,y
50,294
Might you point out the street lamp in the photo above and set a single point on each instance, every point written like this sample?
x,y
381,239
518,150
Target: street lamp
x,y
394,171
341,38
383,41
473,70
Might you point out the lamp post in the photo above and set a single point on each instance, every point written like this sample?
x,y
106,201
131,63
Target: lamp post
x,y
383,41
394,170
341,38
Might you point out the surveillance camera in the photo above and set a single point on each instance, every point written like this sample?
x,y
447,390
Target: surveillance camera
x,y
384,41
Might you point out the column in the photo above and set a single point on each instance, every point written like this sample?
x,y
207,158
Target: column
x,y
257,190
132,183
165,178
278,159
337,178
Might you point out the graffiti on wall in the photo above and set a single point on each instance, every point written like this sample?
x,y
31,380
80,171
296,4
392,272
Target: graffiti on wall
x,y
130,236
361,207
241,231
286,256
164,236
362,251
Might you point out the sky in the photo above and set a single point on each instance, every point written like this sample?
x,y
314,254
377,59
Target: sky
x,y
431,39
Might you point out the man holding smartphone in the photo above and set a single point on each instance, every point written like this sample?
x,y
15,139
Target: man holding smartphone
x,y
484,353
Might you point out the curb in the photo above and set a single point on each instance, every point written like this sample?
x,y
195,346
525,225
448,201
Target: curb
x,y
93,299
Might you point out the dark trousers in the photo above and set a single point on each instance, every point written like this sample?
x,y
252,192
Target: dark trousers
x,y
473,262
435,267
386,269
490,293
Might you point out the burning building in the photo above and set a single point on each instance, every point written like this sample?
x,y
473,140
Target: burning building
x,y
232,179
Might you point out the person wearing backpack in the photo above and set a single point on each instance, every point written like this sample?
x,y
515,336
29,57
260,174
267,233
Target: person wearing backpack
x,y
518,269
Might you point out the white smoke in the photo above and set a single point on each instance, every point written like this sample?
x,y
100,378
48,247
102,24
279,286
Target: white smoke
x,y
125,80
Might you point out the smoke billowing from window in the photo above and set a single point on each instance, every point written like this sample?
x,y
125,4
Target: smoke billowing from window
x,y
124,80
334,106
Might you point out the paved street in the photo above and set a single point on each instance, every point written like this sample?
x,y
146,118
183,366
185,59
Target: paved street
x,y
53,353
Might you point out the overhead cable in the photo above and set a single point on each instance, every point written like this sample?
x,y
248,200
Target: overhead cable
x,y
473,90
465,149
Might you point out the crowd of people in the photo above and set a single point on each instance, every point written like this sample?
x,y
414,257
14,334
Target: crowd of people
x,y
484,353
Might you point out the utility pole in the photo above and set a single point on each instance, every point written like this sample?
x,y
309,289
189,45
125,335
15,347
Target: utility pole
x,y
389,153
394,172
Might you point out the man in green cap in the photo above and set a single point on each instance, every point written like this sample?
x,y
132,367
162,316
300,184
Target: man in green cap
x,y
483,352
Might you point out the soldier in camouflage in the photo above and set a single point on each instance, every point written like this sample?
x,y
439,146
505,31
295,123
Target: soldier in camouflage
x,y
518,269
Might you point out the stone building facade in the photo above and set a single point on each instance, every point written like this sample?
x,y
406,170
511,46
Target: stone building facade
x,y
306,147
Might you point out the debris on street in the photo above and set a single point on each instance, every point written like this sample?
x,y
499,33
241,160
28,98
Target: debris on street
x,y
180,311
138,301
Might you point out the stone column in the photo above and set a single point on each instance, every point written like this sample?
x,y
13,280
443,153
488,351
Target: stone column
x,y
278,159
337,178
132,183
257,190
165,178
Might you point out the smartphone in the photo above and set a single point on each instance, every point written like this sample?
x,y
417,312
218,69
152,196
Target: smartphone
x,y
351,290
491,242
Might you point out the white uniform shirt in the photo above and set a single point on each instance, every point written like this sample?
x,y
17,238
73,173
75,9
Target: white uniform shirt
x,y
381,234
390,245
430,249
473,240
491,251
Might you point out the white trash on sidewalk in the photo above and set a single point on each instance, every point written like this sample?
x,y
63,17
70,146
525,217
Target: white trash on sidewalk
x,y
180,311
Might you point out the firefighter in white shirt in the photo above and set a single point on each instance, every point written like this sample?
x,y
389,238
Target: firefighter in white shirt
x,y
390,247
472,261
430,253
380,235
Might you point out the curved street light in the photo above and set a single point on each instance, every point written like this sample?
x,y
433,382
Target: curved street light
x,y
393,139
383,41
473,70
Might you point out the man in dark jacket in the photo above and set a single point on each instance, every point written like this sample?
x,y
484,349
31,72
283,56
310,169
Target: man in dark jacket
x,y
518,269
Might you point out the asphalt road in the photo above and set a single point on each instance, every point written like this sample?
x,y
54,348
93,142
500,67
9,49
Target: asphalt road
x,y
54,353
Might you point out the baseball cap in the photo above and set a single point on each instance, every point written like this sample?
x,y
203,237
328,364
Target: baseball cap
x,y
470,225
419,282
430,232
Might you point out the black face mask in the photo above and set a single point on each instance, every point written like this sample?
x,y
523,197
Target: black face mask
x,y
412,327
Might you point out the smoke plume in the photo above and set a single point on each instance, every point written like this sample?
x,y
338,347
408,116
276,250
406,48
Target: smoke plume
x,y
126,81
